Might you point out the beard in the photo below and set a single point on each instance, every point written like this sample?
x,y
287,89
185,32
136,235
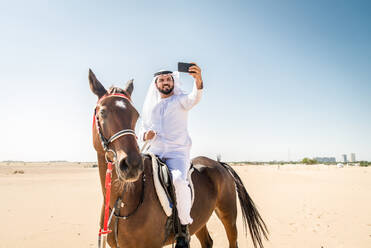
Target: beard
x,y
166,91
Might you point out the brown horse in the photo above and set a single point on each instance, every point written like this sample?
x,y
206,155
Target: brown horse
x,y
215,183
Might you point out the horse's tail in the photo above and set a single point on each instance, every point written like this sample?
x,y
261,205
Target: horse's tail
x,y
250,214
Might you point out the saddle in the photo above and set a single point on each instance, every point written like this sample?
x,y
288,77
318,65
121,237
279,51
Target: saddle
x,y
163,184
166,194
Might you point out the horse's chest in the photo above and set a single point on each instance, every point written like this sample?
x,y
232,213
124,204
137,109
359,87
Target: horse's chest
x,y
146,228
137,233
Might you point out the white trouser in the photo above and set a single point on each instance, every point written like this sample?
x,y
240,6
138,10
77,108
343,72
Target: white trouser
x,y
179,170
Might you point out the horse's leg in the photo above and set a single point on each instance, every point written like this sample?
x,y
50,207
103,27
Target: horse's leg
x,y
226,210
204,237
229,222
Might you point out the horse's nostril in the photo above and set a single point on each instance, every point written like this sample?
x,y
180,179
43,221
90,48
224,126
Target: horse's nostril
x,y
131,166
123,165
135,162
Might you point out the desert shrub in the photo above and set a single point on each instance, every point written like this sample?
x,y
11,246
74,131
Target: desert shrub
x,y
309,161
365,163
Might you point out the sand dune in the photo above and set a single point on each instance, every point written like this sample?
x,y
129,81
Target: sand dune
x,y
57,205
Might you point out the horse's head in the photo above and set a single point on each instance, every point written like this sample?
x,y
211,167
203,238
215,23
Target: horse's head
x,y
113,129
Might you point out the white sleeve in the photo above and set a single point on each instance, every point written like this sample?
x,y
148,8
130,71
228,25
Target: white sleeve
x,y
191,99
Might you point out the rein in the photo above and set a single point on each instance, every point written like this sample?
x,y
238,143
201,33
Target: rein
x,y
116,210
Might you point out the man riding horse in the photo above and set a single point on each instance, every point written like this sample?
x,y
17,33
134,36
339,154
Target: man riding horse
x,y
132,215
164,124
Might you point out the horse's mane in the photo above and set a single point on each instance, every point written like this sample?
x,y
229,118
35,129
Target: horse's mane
x,y
116,90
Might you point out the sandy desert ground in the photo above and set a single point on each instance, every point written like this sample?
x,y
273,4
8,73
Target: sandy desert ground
x,y
57,205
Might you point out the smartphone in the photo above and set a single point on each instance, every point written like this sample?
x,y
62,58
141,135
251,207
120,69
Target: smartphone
x,y
184,67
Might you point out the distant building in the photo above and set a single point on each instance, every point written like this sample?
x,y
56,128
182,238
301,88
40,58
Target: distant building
x,y
352,157
344,158
325,159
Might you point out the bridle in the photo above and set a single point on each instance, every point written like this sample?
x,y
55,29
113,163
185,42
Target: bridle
x,y
105,143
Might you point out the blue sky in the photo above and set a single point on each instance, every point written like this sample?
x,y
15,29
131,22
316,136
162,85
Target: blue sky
x,y
282,78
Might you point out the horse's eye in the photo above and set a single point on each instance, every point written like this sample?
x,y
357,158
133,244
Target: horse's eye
x,y
102,113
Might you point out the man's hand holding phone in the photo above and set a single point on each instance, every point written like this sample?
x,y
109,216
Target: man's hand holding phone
x,y
194,70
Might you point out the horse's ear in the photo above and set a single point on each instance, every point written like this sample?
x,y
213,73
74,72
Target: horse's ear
x,y
95,86
129,86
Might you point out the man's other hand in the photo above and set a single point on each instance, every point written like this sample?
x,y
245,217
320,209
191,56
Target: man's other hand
x,y
149,135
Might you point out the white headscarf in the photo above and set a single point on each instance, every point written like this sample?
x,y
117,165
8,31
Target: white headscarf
x,y
153,98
